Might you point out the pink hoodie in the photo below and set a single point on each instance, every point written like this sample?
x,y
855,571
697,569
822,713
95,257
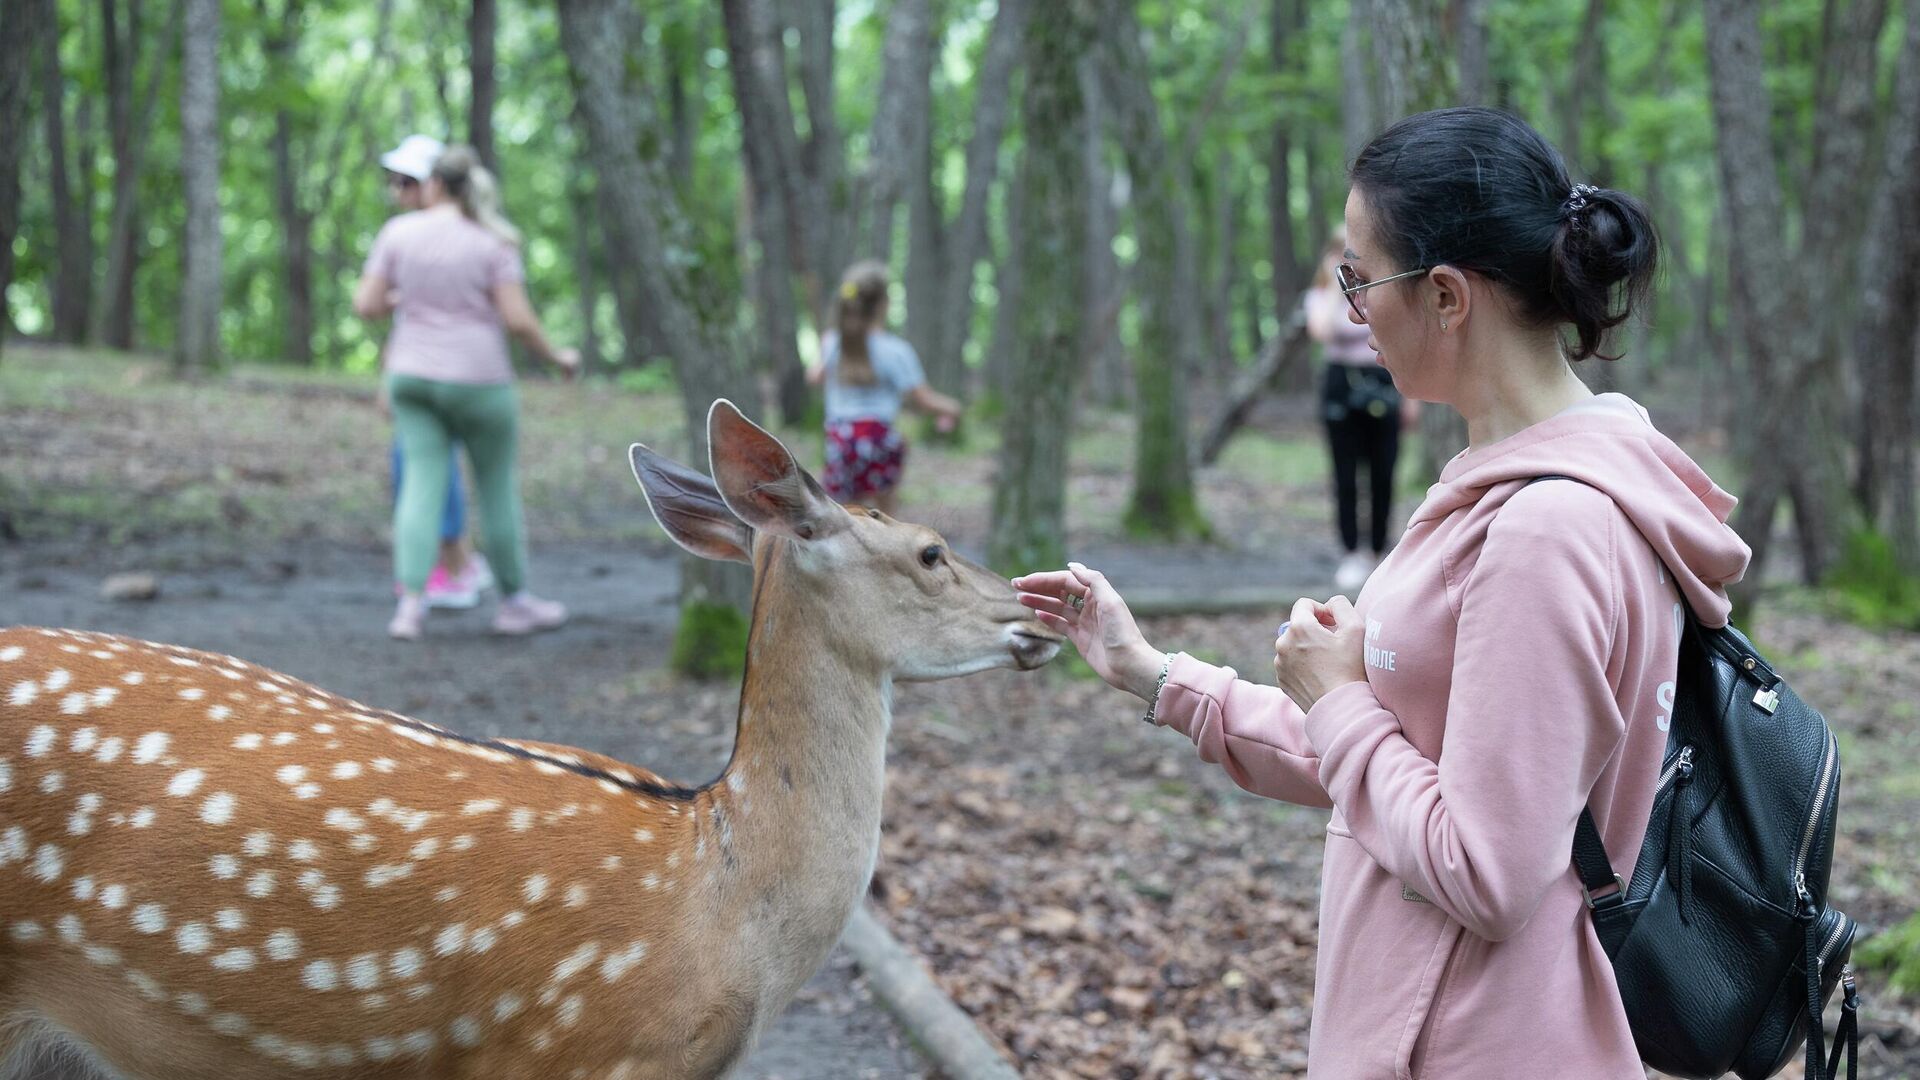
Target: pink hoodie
x,y
1520,663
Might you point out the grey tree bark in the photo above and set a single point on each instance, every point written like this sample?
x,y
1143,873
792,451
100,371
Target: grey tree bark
x,y
482,18
896,144
1029,498
197,344
1788,447
1109,381
296,223
641,219
753,43
72,217
18,35
1476,76
824,200
129,123
966,238
1162,502
1888,295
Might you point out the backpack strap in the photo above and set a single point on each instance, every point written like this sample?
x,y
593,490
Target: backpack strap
x,y
1597,875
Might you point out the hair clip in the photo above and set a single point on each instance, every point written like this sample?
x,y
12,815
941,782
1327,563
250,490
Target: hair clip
x,y
848,290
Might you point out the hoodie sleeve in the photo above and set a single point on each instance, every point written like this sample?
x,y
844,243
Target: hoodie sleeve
x,y
1256,733
1532,719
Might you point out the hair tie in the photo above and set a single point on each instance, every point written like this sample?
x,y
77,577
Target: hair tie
x,y
1577,202
848,290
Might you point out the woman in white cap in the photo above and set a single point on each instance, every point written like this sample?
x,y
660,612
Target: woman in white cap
x,y
451,275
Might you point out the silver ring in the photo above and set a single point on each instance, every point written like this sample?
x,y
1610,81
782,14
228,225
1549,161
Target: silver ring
x,y
1077,602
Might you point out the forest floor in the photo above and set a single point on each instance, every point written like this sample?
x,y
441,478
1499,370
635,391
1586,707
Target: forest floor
x,y
1103,902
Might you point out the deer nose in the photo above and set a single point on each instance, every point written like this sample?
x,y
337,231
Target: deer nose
x,y
1033,645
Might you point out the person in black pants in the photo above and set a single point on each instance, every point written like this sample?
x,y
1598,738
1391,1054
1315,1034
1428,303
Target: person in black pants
x,y
1363,413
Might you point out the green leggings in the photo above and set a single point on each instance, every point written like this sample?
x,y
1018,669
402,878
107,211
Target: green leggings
x,y
429,415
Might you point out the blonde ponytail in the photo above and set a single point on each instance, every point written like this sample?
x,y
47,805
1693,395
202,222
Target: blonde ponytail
x,y
472,185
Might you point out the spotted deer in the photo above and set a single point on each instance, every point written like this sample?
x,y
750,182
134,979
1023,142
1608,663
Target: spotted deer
x,y
213,870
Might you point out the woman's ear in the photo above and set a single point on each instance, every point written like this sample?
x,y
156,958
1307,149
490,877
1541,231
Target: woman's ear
x,y
1452,297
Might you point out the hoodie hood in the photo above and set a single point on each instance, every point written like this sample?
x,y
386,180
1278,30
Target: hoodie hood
x,y
1608,442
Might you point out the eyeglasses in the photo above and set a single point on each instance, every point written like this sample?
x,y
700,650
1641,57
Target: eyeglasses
x,y
1352,285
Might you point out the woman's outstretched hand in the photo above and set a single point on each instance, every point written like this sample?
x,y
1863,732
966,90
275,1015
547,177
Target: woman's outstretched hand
x,y
1101,628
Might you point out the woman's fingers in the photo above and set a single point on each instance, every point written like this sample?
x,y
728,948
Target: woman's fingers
x,y
1058,583
1046,604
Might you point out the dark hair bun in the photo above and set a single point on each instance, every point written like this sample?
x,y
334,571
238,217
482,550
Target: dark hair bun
x,y
1479,189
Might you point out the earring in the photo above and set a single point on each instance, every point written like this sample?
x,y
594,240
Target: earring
x,y
1443,324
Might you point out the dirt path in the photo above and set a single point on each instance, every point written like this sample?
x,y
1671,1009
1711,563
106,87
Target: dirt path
x,y
318,613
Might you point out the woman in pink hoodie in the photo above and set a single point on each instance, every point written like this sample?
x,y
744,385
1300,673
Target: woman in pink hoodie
x,y
1513,659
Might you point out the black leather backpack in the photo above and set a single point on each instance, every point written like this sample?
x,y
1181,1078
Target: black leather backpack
x,y
1723,944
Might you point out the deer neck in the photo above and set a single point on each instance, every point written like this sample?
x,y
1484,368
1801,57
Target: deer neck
x,y
793,825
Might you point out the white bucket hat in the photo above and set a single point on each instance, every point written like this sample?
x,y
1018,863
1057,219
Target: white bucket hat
x,y
414,156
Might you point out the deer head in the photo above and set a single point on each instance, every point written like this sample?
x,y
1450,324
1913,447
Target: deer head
x,y
890,595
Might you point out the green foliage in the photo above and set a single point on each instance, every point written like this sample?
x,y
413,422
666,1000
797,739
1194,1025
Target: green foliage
x,y
1867,585
710,642
1896,952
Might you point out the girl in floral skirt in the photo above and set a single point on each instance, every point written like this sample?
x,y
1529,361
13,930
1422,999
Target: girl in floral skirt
x,y
869,373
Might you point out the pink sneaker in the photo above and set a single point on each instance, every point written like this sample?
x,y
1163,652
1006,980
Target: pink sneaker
x,y
408,619
458,591
525,613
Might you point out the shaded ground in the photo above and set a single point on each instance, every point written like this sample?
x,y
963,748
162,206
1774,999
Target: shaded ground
x,y
1103,902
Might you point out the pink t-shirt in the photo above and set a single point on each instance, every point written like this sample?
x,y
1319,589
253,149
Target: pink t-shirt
x,y
443,269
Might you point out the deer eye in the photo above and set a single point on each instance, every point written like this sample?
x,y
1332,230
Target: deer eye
x,y
930,557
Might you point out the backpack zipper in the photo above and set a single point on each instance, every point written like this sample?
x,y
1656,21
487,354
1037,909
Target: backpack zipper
x,y
1813,822
1833,938
1683,758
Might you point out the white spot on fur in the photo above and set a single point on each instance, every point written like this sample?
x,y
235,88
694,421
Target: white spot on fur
x,y
83,888
477,806
185,783
260,885
53,782
109,749
464,1031
345,770
149,918
617,964
508,1006
224,866
250,741
576,896
447,895
258,844
520,820
150,748
482,940
83,739
192,693
147,985
407,963
219,713
363,971
320,975
113,897
193,938
57,680
291,774
48,862
450,939
23,693
142,818
218,809
283,944
230,920
385,873
303,851
535,888
235,960
385,765
41,739
134,678
11,653
229,1024
192,1004
27,930
70,929
284,738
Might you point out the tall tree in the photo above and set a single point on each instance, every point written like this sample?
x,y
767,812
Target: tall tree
x,y
965,241
1785,293
296,222
1884,345
1286,22
482,18
129,123
18,35
1029,497
1166,275
624,143
72,205
902,109
197,345
1470,28
754,57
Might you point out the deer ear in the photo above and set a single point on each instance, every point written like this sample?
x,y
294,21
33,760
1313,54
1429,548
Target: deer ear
x,y
689,507
762,483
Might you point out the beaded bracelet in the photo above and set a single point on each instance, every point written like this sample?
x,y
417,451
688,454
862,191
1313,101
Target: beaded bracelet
x,y
1158,685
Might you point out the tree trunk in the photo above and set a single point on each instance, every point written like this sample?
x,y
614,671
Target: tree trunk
x,y
1788,446
296,225
1162,503
926,238
1582,89
18,34
1029,499
1889,289
586,274
751,36
642,220
1290,271
1108,380
1359,108
1476,78
72,224
819,205
966,239
481,19
197,346
900,117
